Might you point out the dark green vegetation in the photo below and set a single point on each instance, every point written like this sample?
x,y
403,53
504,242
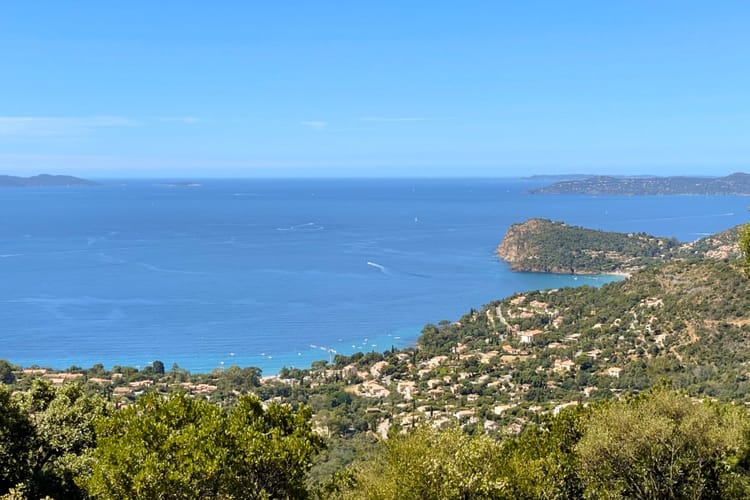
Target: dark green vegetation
x,y
659,444
738,183
541,245
45,434
188,448
61,443
656,445
43,180
744,239
637,389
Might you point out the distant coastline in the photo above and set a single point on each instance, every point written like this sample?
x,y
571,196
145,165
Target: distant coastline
x,y
734,184
44,180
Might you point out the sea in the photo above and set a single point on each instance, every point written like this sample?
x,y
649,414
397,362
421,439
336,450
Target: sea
x,y
279,272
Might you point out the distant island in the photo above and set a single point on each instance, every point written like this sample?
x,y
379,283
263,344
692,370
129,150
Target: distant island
x,y
737,183
542,245
44,180
181,184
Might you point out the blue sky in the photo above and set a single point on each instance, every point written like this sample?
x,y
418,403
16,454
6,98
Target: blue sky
x,y
407,88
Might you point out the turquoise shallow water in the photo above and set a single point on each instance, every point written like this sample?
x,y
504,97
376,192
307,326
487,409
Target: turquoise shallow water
x,y
274,273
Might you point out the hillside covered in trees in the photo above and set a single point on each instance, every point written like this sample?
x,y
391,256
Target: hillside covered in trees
x,y
637,389
542,245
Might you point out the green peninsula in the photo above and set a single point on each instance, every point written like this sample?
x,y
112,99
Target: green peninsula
x,y
542,245
734,184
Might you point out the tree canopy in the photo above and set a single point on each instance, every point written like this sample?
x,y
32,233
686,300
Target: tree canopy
x,y
188,448
745,247
660,444
45,435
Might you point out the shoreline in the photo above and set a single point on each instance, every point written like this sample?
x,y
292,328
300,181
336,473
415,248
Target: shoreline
x,y
271,363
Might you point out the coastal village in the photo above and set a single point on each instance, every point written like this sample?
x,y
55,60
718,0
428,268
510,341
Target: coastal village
x,y
499,368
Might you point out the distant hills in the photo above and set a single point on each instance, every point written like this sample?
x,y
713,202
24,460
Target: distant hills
x,y
44,180
556,177
737,183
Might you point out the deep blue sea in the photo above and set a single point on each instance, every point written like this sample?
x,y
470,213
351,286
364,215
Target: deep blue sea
x,y
273,273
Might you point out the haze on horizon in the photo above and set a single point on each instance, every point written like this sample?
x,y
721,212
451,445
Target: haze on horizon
x,y
264,89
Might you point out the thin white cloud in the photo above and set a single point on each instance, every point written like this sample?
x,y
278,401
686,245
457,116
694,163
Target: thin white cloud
x,y
188,120
55,125
314,124
128,166
392,119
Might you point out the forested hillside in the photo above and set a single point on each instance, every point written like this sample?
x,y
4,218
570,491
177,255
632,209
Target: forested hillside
x,y
541,245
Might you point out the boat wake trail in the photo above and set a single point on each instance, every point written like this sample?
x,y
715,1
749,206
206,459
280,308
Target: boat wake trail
x,y
308,226
377,266
388,271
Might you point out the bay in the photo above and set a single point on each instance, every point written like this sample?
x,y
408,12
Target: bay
x,y
278,272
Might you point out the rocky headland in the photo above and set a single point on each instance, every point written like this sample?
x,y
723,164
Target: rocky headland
x,y
542,245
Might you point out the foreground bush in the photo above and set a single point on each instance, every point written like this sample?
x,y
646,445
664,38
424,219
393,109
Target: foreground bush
x,y
663,445
45,436
186,448
657,445
431,464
